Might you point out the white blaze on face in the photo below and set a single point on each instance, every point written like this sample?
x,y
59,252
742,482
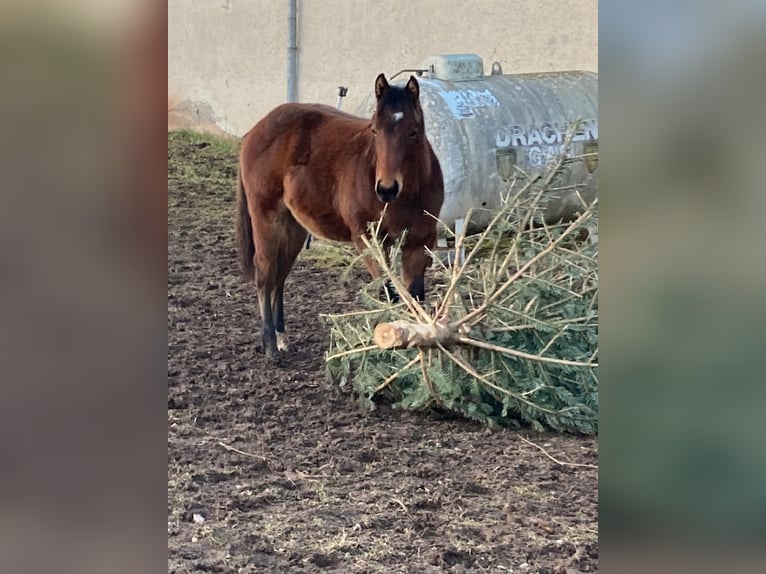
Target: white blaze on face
x,y
396,116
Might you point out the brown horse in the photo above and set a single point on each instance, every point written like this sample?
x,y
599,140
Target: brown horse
x,y
311,167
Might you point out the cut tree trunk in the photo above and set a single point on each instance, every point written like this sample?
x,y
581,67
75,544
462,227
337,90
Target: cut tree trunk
x,y
405,335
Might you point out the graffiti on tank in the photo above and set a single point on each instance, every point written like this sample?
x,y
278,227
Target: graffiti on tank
x,y
463,103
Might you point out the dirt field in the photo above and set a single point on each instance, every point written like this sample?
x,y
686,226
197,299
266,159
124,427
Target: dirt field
x,y
274,470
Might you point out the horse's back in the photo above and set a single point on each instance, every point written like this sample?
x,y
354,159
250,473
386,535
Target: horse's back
x,y
287,134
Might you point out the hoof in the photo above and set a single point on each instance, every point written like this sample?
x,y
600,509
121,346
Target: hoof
x,y
282,344
388,293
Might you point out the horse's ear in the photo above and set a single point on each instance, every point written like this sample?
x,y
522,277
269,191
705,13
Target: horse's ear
x,y
413,89
381,85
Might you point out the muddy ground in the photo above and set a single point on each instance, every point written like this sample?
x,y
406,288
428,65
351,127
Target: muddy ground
x,y
274,470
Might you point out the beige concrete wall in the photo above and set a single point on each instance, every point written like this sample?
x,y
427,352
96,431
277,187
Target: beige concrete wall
x,y
227,59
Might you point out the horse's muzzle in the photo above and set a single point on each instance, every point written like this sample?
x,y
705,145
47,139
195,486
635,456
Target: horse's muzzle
x,y
387,194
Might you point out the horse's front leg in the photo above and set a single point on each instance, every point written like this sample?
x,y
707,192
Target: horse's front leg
x,y
415,261
387,291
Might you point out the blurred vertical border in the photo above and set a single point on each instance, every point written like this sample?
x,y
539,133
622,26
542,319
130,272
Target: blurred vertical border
x,y
683,286
82,249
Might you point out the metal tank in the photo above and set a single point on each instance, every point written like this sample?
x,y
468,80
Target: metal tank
x,y
484,129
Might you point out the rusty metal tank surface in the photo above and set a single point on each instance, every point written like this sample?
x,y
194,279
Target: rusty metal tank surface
x,y
484,129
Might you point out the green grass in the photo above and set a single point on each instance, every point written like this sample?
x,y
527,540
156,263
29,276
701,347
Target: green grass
x,y
216,143
203,161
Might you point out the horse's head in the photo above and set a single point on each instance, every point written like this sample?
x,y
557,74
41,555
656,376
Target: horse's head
x,y
398,129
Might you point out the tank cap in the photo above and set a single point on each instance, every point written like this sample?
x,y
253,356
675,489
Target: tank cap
x,y
454,67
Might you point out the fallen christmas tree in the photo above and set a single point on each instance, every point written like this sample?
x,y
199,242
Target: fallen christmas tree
x,y
509,334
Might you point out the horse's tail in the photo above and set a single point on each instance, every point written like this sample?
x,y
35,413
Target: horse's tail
x,y
245,245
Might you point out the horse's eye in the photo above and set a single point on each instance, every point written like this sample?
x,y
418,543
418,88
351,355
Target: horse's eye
x,y
413,135
374,132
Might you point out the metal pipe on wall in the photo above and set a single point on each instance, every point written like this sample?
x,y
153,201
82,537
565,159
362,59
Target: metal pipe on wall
x,y
292,50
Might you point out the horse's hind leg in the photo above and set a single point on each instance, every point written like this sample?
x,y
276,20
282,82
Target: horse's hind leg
x,y
278,310
264,278
266,267
293,239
